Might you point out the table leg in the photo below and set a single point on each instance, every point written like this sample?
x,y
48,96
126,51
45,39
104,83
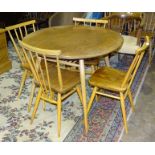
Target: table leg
x,y
83,88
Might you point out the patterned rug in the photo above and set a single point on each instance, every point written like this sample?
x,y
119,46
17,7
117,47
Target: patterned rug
x,y
105,119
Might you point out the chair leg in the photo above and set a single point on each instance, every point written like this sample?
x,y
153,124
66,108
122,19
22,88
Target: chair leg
x,y
107,62
123,111
36,105
79,93
131,100
59,113
96,67
24,75
150,52
52,94
97,98
31,96
44,105
92,69
91,99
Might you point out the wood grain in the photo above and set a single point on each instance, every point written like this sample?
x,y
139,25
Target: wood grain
x,y
76,42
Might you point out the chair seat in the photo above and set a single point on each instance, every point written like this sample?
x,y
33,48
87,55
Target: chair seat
x,y
94,61
70,79
108,78
129,45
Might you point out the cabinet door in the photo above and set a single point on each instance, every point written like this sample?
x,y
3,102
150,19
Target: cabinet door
x,y
2,40
3,48
5,63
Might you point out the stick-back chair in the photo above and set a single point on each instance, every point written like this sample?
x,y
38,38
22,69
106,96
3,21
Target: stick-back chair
x,y
16,33
117,81
51,78
92,22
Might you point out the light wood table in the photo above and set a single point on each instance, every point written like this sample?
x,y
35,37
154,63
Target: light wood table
x,y
77,43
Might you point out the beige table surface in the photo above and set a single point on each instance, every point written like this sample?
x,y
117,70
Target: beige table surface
x,y
77,42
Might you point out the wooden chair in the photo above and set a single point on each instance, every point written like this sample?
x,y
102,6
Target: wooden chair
x,y
148,28
51,79
92,22
117,81
16,33
128,25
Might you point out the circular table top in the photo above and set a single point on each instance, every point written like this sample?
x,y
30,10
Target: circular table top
x,y
76,42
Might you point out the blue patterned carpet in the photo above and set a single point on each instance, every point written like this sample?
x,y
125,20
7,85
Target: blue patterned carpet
x,y
105,119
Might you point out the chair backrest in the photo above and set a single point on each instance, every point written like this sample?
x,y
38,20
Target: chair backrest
x,y
124,23
38,60
135,63
148,21
90,22
18,32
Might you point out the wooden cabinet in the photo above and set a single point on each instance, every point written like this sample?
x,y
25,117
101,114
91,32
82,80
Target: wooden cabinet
x,y
5,63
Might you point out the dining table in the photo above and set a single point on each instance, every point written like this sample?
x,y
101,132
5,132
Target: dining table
x,y
77,43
